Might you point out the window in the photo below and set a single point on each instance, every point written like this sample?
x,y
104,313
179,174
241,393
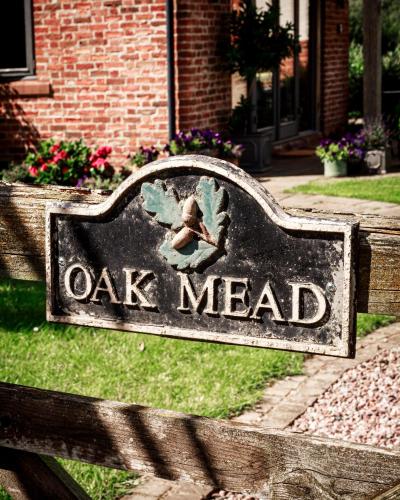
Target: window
x,y
16,55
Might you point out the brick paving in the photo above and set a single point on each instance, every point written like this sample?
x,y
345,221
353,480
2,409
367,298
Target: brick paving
x,y
153,488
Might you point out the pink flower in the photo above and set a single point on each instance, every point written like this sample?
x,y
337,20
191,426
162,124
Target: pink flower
x,y
100,164
103,151
54,148
33,171
44,167
64,170
61,155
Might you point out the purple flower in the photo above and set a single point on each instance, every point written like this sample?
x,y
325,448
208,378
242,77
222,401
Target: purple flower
x,y
325,142
81,181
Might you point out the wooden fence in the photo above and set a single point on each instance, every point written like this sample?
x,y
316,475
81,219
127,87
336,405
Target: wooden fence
x,y
37,424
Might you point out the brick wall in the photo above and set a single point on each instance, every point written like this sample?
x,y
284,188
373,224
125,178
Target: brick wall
x,y
334,85
101,73
105,61
204,87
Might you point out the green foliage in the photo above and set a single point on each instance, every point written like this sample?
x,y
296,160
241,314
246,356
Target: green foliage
x,y
14,173
355,21
144,156
390,79
333,152
377,188
66,163
258,43
390,23
390,59
367,323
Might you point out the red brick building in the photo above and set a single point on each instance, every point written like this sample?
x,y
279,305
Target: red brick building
x,y
98,69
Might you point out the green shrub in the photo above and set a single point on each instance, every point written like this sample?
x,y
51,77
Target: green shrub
x,y
66,163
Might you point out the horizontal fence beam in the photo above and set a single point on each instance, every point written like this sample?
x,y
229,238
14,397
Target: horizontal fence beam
x,y
184,447
22,237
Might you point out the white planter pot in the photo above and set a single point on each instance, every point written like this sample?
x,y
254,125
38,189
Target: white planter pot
x,y
376,160
335,168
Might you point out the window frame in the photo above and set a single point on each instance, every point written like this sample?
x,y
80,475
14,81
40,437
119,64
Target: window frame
x,y
29,70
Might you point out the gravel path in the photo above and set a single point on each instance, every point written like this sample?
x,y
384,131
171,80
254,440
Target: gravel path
x,y
362,406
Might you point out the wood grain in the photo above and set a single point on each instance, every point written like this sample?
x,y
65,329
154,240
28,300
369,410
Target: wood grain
x,y
22,229
26,476
178,446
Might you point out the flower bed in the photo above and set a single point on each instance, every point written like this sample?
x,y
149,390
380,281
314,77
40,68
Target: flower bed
x,y
72,163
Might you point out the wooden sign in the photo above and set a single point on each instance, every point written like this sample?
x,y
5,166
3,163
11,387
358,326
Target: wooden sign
x,y
193,247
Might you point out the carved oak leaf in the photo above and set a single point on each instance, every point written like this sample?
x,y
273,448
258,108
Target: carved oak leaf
x,y
163,202
191,256
210,199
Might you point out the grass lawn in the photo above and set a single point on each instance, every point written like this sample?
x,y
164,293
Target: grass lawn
x,y
374,188
195,377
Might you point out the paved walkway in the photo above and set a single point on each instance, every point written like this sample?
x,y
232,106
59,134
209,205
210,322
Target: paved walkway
x,y
287,399
287,173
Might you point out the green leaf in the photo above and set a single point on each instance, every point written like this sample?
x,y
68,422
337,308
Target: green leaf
x,y
163,203
210,199
191,256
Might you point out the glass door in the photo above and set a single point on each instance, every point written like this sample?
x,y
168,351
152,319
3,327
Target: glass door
x,y
287,81
284,95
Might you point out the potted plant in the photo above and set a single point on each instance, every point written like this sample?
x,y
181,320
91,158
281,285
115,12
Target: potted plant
x,y
143,156
356,148
377,139
257,44
204,142
334,156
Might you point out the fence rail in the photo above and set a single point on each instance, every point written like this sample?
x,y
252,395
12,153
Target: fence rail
x,y
178,446
22,229
36,422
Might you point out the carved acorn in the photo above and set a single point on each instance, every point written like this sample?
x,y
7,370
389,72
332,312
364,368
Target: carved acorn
x,y
182,238
189,211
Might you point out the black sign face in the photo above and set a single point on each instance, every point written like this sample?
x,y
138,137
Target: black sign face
x,y
193,247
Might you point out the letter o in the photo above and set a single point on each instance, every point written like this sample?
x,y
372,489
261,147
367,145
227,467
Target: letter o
x,y
74,269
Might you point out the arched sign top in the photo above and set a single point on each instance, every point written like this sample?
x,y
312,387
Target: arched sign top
x,y
194,247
